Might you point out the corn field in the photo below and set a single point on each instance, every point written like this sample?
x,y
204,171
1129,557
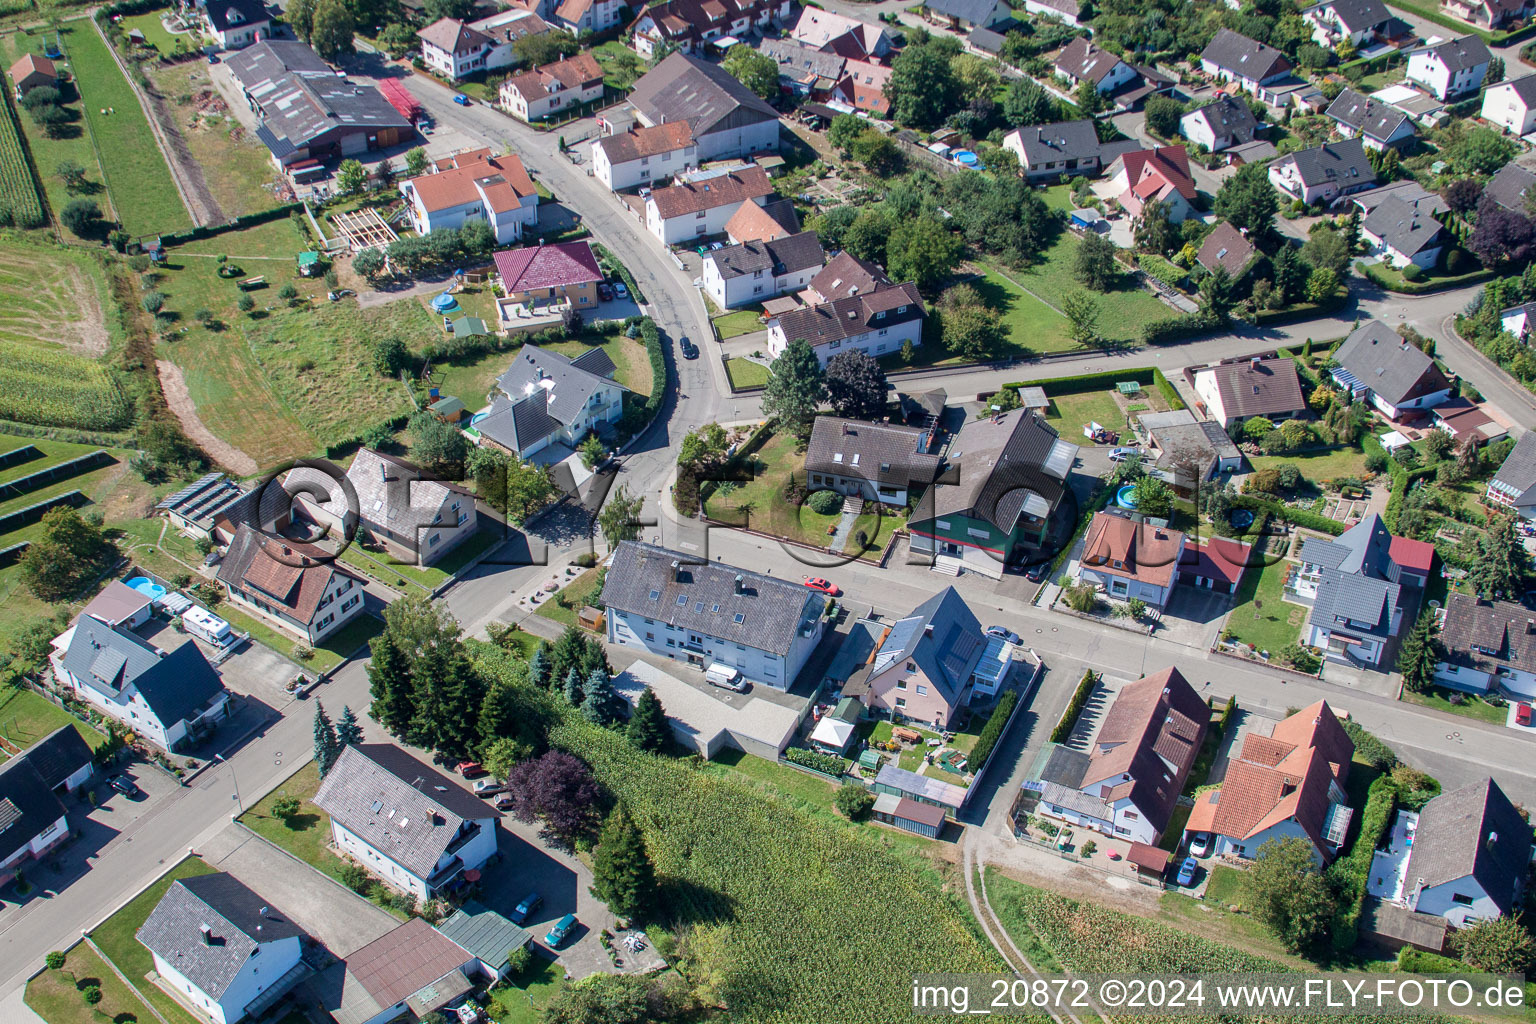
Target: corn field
x,y
793,919
18,191
56,388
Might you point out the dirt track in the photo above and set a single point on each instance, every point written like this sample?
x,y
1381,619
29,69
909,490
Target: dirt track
x,y
174,385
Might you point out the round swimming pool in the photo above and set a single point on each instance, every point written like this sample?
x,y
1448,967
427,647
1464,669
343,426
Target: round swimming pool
x,y
1240,518
964,158
1125,497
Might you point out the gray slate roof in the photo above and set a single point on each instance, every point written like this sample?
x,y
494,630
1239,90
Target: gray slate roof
x,y
975,11
1513,184
28,805
1007,465
392,494
1228,116
239,920
1358,579
1062,140
782,256
709,98
1082,60
175,685
1381,360
1374,119
484,934
765,613
1406,226
400,806
1488,635
1356,15
1247,58
878,452
945,639
1459,54
1343,161
58,755
301,98
248,12
1517,475
526,412
1408,191
801,63
1473,831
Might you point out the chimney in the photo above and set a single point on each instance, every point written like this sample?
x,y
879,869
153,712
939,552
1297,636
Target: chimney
x,y
677,571
847,428
741,583
1493,837
1254,362
207,934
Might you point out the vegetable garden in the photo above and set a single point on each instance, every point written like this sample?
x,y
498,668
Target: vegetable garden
x,y
19,202
59,389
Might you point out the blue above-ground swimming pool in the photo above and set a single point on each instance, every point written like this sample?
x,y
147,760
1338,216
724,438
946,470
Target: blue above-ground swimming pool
x,y
1240,517
146,586
964,158
1125,497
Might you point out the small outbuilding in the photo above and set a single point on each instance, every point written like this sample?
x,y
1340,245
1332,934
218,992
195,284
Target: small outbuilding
x,y
32,71
908,815
835,731
1086,219
1148,863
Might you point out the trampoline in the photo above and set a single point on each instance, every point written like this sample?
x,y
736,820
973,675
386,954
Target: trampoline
x,y
1241,518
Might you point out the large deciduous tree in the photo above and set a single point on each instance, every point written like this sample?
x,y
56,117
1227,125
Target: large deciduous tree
x,y
922,88
968,327
1095,266
1501,236
559,788
1499,945
856,385
1027,103
1163,113
796,387
620,517
1285,892
1082,313
331,34
68,552
757,71
922,251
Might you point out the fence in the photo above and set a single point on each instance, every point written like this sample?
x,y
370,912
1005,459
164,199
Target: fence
x,y
1029,686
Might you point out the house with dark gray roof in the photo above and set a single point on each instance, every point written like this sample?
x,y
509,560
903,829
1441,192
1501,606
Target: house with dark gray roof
x,y
1406,231
877,323
1233,57
236,23
170,698
691,25
1514,485
727,118
1377,364
1324,173
1219,125
1450,67
1470,856
804,69
33,818
1355,590
224,949
1488,646
1065,149
1357,22
752,271
707,613
405,821
546,403
196,507
872,461
965,15
1378,125
845,275
1512,185
1238,389
1004,477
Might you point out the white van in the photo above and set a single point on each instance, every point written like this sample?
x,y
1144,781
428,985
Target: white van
x,y
725,676
202,623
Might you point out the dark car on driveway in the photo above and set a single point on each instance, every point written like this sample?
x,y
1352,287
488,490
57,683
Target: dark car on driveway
x,y
126,786
690,350
524,910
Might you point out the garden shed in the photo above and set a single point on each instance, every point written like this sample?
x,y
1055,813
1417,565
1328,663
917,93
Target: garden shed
x,y
1147,862
908,815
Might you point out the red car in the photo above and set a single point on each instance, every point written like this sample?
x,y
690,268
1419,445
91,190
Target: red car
x,y
1522,714
470,769
825,586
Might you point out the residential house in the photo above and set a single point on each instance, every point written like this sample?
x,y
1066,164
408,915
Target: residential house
x,y
1216,563
1010,473
548,401
1081,61
1467,421
237,23
690,24
1239,389
1228,248
1143,175
877,323
1512,106
1221,124
552,89
768,223
293,585
1490,15
880,462
1287,785
641,156
1128,781
1355,591
503,29
1518,320
1489,647
565,273
1256,152
1407,231
1130,559
32,71
1470,856
1188,452
32,784
702,205
1323,174
844,276
847,37
474,186
803,69
1375,363
836,730
581,16
727,118
965,15
417,517
862,86
1059,10
749,272
403,820
223,949
411,973
196,508
1379,125
705,613
1510,187
1514,485
453,49
489,937
306,113
1232,57
1066,149
1358,22
170,698
1450,68
1407,190
925,666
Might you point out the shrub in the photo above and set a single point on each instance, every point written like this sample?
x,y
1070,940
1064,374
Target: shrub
x,y
356,877
853,801
1413,272
91,994
993,730
824,502
518,960
1074,708
827,764
54,960
302,652
246,304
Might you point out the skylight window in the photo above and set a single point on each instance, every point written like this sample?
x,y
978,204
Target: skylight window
x,y
682,600
655,595
739,618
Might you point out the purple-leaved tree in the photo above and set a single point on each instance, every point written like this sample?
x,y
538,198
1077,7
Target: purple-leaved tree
x,y
559,788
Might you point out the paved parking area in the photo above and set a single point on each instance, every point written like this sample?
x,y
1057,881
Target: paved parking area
x,y
1193,616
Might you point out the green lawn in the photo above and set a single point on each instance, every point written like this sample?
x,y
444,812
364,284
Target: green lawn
x,y
307,835
55,996
581,591
1319,466
607,55
331,651
1058,198
737,322
1122,312
628,355
1472,706
759,504
1032,325
155,33
382,566
1430,11
744,373
26,717
1433,280
142,188
1070,413
116,937
878,530
1261,618
521,1001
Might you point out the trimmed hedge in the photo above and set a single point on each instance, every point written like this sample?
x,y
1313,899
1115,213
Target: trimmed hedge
x,y
993,730
1296,516
1169,392
652,338
239,223
1085,382
1349,873
1074,708
1406,287
336,449
603,255
1173,328
826,764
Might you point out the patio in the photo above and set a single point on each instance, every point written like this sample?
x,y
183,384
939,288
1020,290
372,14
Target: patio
x,y
1389,866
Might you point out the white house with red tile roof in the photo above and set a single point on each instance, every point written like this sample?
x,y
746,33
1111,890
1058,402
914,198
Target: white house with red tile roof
x,y
550,273
297,586
1216,563
578,16
546,91
474,186
863,86
1130,559
1163,174
1287,784
702,207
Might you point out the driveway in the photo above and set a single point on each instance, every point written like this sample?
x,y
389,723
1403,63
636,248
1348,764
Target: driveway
x,y
1193,616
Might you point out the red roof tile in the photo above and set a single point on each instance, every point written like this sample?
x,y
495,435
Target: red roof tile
x,y
547,266
1412,554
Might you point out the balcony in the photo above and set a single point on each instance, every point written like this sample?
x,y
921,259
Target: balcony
x,y
464,838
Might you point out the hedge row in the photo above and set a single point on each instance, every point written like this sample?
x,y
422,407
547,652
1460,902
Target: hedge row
x,y
1297,516
239,223
1085,382
1074,708
1169,392
652,338
993,730
1406,287
336,449
603,255
826,764
1349,873
1173,328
